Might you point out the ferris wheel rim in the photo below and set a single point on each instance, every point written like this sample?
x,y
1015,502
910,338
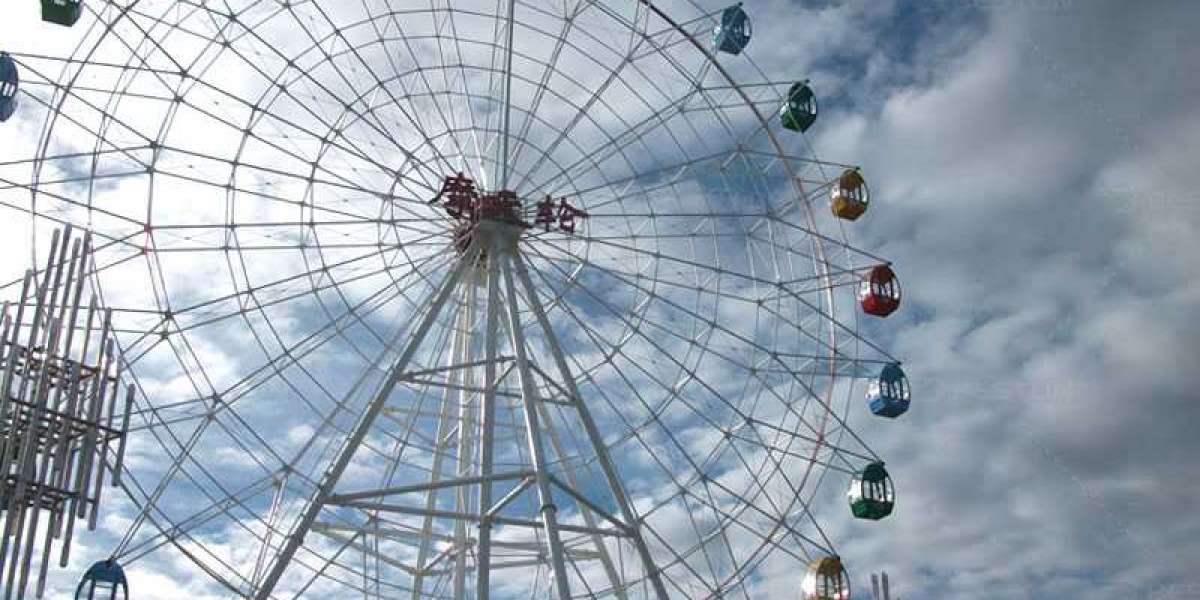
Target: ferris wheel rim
x,y
801,198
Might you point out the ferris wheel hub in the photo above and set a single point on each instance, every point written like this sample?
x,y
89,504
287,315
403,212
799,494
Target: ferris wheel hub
x,y
497,235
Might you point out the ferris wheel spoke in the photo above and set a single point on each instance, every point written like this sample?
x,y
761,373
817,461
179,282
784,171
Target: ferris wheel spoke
x,y
313,341
447,121
247,297
474,128
162,522
338,182
740,339
676,170
73,155
784,291
216,508
412,117
104,145
670,332
506,108
307,77
673,390
771,451
147,167
636,132
274,367
551,67
729,519
347,216
659,256
377,87
55,217
628,58
774,215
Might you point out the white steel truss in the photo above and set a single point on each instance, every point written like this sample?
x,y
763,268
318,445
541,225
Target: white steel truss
x,y
490,276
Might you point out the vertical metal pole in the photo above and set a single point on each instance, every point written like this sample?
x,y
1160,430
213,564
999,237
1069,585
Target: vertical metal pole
x,y
593,433
466,442
78,408
28,474
10,367
104,438
533,433
589,519
334,473
272,515
487,423
116,479
457,343
504,168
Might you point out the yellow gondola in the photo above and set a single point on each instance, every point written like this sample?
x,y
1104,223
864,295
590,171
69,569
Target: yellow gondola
x,y
826,579
850,195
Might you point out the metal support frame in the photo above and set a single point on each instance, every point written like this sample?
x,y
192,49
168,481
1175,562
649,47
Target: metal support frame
x,y
593,433
59,403
333,474
494,264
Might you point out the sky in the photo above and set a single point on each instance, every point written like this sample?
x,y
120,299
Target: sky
x,y
1033,168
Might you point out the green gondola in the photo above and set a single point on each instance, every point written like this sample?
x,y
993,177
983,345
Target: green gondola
x,y
871,493
62,12
800,110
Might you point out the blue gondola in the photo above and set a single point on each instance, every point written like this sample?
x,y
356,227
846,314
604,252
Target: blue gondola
x,y
889,395
10,82
62,12
733,32
102,582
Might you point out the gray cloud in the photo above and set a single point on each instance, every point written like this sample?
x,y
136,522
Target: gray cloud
x,y
1036,200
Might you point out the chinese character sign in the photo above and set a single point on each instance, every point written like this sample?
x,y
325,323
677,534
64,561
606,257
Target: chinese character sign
x,y
463,202
458,197
560,215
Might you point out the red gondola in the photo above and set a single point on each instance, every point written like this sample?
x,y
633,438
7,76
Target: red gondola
x,y
880,292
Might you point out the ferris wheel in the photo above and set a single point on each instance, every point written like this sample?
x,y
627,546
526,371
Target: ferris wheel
x,y
457,299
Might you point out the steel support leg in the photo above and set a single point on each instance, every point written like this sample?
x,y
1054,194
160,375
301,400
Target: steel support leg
x,y
533,432
334,473
593,433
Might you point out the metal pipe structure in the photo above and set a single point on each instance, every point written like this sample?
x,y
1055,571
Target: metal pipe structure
x,y
60,431
493,285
